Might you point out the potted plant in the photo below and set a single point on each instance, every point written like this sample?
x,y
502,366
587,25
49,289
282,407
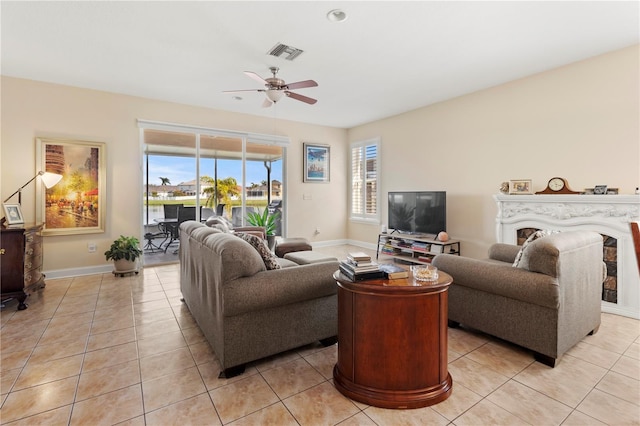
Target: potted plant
x,y
124,252
268,221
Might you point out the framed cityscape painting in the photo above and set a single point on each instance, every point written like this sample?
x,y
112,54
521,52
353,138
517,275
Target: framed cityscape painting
x,y
316,162
76,205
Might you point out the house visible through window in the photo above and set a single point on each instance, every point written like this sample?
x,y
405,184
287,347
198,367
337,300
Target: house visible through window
x,y
364,180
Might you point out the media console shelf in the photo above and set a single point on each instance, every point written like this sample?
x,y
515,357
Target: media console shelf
x,y
418,249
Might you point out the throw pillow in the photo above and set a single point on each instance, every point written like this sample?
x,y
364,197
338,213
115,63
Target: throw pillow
x,y
218,222
270,261
532,237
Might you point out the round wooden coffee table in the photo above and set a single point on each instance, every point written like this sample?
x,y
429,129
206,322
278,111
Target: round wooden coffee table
x,y
392,341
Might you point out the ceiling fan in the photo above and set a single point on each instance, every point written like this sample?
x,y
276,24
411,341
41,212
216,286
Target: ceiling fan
x,y
276,88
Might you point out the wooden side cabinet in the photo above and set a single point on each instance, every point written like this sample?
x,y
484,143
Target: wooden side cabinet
x,y
20,261
392,341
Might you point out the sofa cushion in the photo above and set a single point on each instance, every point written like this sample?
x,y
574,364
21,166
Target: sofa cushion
x,y
536,235
270,261
286,263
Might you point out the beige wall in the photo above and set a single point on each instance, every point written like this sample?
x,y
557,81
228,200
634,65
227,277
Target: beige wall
x,y
580,122
32,109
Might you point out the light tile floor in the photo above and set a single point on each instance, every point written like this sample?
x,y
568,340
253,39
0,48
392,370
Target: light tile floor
x,y
97,349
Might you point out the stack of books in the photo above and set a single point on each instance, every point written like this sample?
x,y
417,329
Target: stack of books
x,y
358,266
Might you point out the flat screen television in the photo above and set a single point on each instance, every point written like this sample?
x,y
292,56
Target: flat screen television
x,y
422,212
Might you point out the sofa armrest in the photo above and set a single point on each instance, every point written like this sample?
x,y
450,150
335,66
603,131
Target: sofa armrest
x,y
279,287
258,231
504,252
501,279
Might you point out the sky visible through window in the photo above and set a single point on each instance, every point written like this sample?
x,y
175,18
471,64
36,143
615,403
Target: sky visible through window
x,y
182,169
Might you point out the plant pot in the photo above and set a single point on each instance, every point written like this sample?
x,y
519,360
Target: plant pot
x,y
271,241
124,265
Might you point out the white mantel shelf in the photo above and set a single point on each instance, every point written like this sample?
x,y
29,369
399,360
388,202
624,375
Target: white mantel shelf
x,y
606,214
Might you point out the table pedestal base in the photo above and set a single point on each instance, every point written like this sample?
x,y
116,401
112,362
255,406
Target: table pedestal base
x,y
414,398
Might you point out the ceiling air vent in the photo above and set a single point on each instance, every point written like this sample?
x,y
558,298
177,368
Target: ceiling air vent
x,y
282,49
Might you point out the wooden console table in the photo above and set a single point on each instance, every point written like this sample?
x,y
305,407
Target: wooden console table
x,y
392,341
21,270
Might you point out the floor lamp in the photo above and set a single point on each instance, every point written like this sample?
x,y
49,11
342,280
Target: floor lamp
x,y
48,179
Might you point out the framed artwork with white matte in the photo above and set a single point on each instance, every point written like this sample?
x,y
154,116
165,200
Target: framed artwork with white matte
x,y
316,163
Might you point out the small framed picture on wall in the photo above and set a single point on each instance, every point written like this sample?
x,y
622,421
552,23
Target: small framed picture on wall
x,y
316,163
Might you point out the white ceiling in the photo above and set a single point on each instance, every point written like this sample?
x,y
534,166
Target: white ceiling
x,y
385,59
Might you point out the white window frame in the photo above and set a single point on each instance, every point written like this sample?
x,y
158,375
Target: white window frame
x,y
373,218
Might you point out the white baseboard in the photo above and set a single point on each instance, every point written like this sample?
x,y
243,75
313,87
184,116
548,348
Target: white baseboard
x,y
612,308
331,243
76,272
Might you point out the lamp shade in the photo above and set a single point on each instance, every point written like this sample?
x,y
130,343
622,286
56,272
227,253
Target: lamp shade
x,y
50,179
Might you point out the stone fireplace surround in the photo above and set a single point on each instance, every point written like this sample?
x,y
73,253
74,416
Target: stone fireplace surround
x,y
608,215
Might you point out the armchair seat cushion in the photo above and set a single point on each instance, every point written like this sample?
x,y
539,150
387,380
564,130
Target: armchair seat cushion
x,y
502,279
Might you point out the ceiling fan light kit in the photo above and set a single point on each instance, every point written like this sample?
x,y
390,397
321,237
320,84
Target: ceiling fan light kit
x,y
274,95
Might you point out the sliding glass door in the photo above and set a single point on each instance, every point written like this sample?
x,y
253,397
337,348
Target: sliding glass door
x,y
215,172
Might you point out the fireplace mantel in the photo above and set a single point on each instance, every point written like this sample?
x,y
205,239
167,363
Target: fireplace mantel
x,y
606,214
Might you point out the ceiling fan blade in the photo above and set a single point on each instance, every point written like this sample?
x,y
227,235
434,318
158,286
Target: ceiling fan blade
x,y
245,90
266,103
298,97
302,84
256,77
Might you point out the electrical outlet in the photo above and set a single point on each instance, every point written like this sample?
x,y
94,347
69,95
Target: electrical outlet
x,y
92,247
306,196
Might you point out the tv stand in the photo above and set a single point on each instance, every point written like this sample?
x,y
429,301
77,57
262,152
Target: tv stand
x,y
417,249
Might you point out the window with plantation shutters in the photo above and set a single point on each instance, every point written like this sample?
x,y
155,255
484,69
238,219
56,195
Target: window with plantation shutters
x,y
364,180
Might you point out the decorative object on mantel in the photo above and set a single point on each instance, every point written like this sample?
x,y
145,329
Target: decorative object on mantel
x,y
557,185
601,190
504,187
520,186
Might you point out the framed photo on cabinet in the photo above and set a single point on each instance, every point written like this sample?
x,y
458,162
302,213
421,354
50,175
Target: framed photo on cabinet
x,y
13,214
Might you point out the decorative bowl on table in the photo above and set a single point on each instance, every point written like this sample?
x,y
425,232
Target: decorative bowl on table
x,y
424,273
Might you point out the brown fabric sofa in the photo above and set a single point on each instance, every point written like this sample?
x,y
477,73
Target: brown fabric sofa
x,y
547,304
245,311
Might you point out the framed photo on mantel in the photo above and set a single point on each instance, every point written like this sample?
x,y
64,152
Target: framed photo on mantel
x,y
316,163
520,186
